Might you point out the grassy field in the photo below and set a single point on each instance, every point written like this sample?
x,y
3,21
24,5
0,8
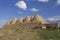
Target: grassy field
x,y
49,34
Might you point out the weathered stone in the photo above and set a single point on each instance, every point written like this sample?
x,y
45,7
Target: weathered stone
x,y
8,22
20,20
39,18
13,21
27,19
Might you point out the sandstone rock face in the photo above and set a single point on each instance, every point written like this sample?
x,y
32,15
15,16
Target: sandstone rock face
x,y
20,20
32,18
27,19
38,18
13,21
8,22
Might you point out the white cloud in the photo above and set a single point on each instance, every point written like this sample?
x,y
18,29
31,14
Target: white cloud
x,y
55,18
58,2
43,0
34,9
22,5
51,19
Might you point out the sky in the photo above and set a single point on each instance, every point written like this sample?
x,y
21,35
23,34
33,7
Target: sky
x,y
22,8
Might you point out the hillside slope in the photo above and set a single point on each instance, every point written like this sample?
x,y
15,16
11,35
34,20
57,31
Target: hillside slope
x,y
28,32
20,32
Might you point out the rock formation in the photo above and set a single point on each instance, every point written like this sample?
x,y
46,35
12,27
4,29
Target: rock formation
x,y
8,22
13,21
39,18
20,20
32,18
27,19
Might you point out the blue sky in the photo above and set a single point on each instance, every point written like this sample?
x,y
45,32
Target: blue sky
x,y
22,8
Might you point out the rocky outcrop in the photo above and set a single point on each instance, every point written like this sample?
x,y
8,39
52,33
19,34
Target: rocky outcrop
x,y
13,21
20,20
32,18
37,18
8,22
27,19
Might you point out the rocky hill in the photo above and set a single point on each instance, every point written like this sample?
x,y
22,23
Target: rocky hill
x,y
22,29
37,18
27,29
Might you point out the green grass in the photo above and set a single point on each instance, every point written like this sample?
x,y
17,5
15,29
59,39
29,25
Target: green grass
x,y
49,34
